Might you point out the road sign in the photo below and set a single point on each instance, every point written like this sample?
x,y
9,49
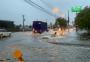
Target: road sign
x,y
76,9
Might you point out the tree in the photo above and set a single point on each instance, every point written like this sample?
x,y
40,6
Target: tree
x,y
82,20
61,22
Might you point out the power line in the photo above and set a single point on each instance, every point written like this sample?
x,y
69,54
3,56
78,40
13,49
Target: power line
x,y
52,7
49,5
39,7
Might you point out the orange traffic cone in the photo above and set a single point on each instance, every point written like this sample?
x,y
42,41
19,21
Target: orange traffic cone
x,y
17,54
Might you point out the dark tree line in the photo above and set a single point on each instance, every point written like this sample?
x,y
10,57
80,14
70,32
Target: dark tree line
x,y
82,20
61,23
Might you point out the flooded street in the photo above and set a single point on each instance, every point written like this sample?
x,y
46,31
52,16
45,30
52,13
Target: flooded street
x,y
36,49
44,30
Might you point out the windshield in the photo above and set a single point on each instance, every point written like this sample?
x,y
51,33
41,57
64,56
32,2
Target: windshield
x,y
45,30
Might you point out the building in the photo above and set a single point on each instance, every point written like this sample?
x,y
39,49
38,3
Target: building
x,y
4,24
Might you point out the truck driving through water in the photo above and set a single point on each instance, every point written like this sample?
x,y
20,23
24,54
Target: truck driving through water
x,y
39,26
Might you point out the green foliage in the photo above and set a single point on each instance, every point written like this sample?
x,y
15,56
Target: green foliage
x,y
61,22
82,20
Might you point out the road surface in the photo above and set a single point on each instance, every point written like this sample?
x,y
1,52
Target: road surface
x,y
35,49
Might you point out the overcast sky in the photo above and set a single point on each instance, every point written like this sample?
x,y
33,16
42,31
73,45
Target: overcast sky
x,y
14,9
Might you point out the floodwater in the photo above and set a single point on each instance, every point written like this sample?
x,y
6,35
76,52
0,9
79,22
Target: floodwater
x,y
54,49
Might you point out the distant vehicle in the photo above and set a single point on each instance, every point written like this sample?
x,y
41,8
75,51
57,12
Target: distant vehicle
x,y
39,26
4,33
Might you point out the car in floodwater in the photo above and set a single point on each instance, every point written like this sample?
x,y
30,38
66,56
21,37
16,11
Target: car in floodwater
x,y
4,33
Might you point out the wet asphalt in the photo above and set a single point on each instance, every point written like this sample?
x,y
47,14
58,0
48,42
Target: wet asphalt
x,y
54,49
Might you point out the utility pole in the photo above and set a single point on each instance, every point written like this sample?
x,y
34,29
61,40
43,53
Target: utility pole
x,y
23,21
68,20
